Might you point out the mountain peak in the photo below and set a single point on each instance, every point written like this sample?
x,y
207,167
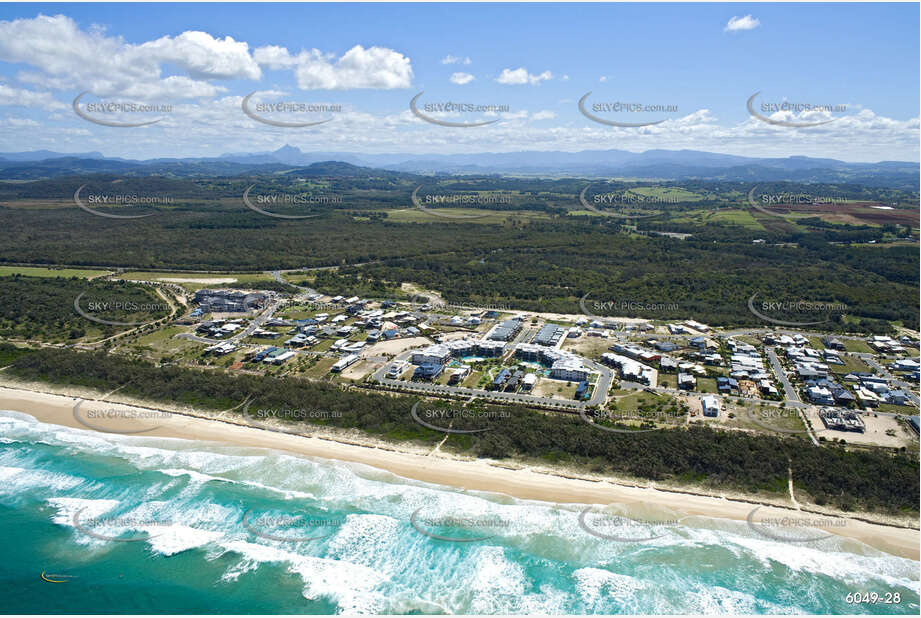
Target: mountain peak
x,y
288,149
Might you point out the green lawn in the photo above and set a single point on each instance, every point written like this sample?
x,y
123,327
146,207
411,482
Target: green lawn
x,y
856,345
816,343
323,346
29,271
321,368
669,380
891,407
737,217
851,364
706,385
631,403
640,406
766,417
667,193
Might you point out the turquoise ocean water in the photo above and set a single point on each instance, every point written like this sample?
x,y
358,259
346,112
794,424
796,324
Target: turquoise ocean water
x,y
152,525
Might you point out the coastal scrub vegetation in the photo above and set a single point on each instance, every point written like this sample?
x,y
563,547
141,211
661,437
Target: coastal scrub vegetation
x,y
850,479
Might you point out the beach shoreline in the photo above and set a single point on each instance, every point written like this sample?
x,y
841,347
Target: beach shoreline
x,y
517,481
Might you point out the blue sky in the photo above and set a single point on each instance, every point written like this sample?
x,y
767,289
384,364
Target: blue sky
x,y
537,60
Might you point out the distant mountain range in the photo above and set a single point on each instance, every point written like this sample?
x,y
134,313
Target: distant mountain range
x,y
651,164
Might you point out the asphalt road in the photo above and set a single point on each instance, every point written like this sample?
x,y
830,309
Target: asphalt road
x,y
790,393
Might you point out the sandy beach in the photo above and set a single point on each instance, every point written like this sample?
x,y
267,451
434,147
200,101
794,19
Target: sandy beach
x,y
482,475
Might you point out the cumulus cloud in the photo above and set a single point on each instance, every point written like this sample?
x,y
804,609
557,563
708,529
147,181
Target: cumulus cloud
x,y
449,59
543,115
374,67
521,76
68,57
20,122
19,97
212,127
742,23
461,78
204,56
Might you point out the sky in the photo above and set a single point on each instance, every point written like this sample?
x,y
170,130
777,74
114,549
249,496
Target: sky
x,y
529,65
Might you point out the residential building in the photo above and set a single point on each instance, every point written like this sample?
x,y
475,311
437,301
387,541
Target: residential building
x,y
820,395
505,330
499,381
570,369
549,335
428,371
686,381
528,382
710,405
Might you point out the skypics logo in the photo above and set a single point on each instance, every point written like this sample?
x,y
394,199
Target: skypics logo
x,y
449,107
670,418
763,200
621,529
624,205
125,419
796,529
286,199
57,578
254,111
772,417
95,112
473,524
620,107
620,305
421,302
437,418
777,311
436,200
274,419
110,413
788,109
118,200
90,526
114,304
290,528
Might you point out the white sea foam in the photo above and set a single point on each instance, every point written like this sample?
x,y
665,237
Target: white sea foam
x,y
14,480
352,587
68,507
376,562
175,539
88,509
199,478
598,587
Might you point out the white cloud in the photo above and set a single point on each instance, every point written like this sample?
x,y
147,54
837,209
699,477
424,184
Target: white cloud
x,y
521,76
19,123
28,98
449,59
461,78
205,56
214,126
375,67
603,78
742,23
565,78
543,115
67,57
